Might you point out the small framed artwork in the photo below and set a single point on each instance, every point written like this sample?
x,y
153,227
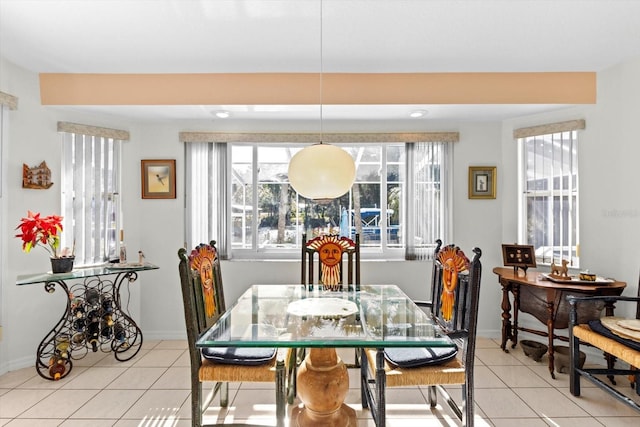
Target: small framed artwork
x,y
482,182
519,256
158,179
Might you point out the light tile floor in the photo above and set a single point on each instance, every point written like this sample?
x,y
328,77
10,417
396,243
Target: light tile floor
x,y
153,390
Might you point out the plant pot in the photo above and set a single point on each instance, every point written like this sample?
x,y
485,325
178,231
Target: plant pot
x,y
533,349
62,265
562,359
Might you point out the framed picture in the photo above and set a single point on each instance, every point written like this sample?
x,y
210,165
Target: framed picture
x,y
482,182
158,179
519,256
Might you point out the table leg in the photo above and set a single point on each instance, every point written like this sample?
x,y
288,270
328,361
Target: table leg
x,y
127,336
52,357
322,385
515,290
550,327
506,316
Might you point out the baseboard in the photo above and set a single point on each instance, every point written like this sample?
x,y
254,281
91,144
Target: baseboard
x,y
14,365
489,333
164,335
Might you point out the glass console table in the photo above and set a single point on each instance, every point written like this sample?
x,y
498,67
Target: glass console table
x,y
293,316
94,318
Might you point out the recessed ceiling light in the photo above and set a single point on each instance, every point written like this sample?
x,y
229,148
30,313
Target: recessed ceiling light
x,y
418,113
222,114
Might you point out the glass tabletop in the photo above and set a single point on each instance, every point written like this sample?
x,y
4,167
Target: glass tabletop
x,y
293,316
82,272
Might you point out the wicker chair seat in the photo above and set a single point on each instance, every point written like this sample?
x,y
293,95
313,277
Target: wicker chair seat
x,y
212,371
452,372
608,345
604,337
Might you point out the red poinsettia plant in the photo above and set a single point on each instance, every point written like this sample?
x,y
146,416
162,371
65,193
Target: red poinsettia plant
x,y
44,231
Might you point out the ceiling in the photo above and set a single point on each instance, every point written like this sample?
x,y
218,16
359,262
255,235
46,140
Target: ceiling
x,y
352,36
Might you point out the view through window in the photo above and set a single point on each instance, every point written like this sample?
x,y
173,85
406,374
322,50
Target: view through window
x,y
267,218
550,208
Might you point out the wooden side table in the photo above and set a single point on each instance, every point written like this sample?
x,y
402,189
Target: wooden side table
x,y
546,301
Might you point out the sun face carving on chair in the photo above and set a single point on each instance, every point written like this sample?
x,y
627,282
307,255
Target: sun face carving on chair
x,y
201,260
330,249
453,262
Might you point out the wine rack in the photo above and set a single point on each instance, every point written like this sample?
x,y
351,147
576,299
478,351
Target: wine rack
x,y
94,320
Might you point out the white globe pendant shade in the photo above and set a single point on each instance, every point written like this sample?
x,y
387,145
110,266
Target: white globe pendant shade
x,y
322,172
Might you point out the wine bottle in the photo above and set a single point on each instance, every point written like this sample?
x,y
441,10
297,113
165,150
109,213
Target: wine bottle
x,y
78,311
94,335
123,249
62,346
119,332
105,326
78,339
93,316
108,319
92,297
79,324
107,304
56,367
75,302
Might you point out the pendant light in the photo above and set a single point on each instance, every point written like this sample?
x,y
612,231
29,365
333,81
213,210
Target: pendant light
x,y
322,172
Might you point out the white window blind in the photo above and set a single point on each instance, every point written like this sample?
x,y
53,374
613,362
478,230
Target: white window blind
x,y
207,206
91,207
428,193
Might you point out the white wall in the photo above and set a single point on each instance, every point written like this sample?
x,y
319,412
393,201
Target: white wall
x,y
608,164
610,208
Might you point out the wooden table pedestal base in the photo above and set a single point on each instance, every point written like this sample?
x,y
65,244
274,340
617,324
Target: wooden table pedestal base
x,y
322,385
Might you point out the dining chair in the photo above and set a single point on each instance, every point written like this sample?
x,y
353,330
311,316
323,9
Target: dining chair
x,y
323,261
204,303
618,338
454,312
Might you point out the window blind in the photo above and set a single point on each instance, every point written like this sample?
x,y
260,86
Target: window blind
x,y
91,197
206,203
427,187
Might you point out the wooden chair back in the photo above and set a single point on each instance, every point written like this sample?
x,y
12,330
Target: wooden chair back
x,y
456,287
203,298
454,308
324,258
202,293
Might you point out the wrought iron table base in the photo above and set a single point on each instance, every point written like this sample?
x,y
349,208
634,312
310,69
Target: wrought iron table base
x,y
93,320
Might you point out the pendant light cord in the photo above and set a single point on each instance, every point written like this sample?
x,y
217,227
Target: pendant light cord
x,y
321,73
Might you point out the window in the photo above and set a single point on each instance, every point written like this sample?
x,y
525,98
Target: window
x,y
7,102
266,218
550,199
90,192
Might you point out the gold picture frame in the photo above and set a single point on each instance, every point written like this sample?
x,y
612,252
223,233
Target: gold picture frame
x,y
158,179
482,182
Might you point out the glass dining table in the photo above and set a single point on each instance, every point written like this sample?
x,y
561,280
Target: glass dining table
x,y
297,316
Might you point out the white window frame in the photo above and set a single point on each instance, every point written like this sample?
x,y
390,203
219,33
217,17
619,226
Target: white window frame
x,y
7,102
202,179
90,195
560,197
